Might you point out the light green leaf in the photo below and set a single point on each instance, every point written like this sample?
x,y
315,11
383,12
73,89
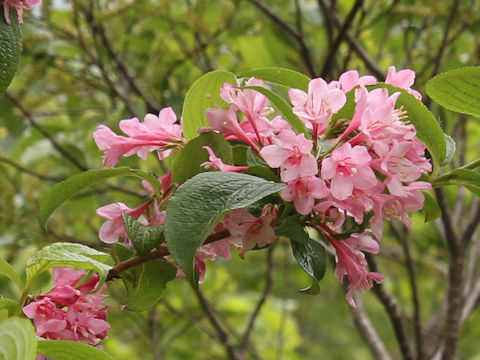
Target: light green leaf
x,y
280,76
187,164
457,90
7,270
61,192
451,148
429,131
10,50
431,210
311,257
312,289
70,350
204,93
67,255
469,178
198,206
147,284
144,238
17,339
284,108
9,305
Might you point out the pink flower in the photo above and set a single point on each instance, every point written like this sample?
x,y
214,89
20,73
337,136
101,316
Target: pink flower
x,y
403,79
68,311
114,227
348,168
247,231
156,133
349,79
292,154
316,107
303,191
216,163
18,5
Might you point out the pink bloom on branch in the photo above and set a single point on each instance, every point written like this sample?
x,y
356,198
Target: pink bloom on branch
x,y
18,5
303,191
403,79
155,133
217,163
348,168
292,154
349,79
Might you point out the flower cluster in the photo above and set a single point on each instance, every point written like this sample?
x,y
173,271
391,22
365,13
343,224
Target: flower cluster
x,y
18,5
70,311
359,168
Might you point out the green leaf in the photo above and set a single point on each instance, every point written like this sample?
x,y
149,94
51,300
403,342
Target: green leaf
x,y
431,210
429,131
144,238
292,228
354,229
253,159
204,93
3,315
451,148
197,207
70,350
466,177
280,76
7,270
10,49
311,257
67,255
457,90
313,289
284,108
61,192
147,284
263,172
17,339
187,164
9,305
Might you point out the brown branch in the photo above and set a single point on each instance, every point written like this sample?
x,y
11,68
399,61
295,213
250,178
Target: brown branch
x,y
266,291
29,171
296,35
394,313
161,252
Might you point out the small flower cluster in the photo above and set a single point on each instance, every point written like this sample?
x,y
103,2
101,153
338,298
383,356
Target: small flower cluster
x,y
70,311
358,168
18,5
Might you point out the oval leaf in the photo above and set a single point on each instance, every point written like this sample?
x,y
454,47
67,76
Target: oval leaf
x,y
469,178
429,131
187,164
197,207
70,350
204,93
17,339
280,76
147,283
431,210
284,108
457,90
451,149
61,192
311,257
144,238
7,270
10,50
67,255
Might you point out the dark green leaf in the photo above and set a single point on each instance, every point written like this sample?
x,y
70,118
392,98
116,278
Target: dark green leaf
x,y
198,206
280,76
313,289
187,164
311,257
292,228
203,94
263,172
10,49
70,350
61,192
284,108
457,90
17,339
148,284
67,255
253,159
431,210
144,238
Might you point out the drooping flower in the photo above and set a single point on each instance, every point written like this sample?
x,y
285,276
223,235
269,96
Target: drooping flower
x,y
18,5
70,311
403,79
217,163
156,133
292,154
